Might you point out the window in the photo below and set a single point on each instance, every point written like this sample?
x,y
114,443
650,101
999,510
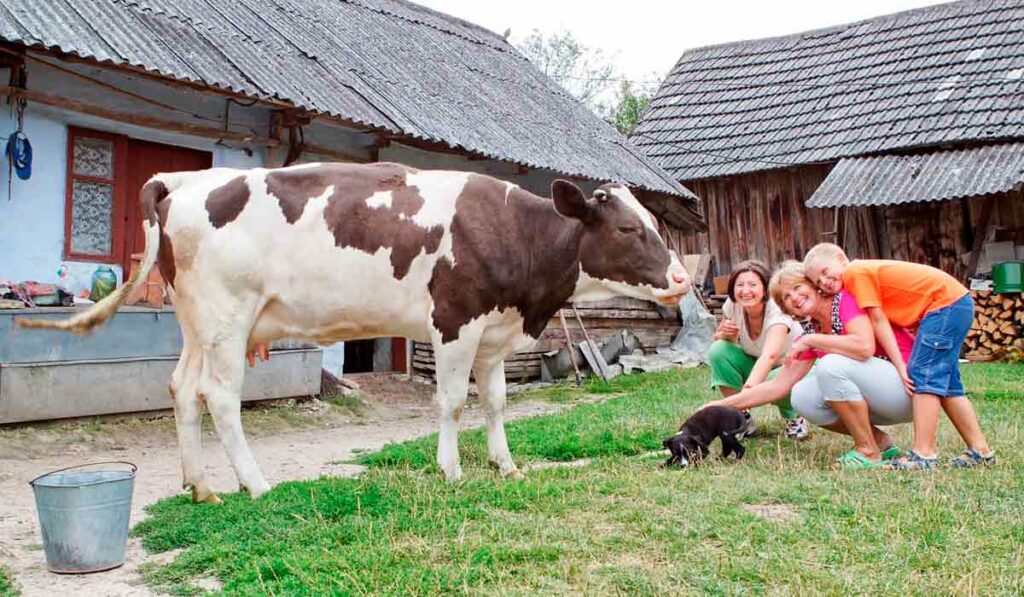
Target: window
x,y
94,206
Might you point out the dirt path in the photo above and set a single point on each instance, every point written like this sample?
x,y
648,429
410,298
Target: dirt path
x,y
291,442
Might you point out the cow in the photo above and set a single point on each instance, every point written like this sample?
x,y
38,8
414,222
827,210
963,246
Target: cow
x,y
329,252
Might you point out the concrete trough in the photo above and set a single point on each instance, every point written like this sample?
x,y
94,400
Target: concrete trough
x,y
122,367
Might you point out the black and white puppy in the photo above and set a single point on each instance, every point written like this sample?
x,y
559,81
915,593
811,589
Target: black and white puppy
x,y
692,442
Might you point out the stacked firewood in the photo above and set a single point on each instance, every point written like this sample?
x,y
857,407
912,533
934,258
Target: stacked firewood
x,y
997,327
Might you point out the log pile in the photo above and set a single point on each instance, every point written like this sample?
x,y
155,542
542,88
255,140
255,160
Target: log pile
x,y
998,325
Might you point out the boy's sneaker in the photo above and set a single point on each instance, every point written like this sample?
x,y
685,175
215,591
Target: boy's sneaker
x,y
796,429
971,458
913,461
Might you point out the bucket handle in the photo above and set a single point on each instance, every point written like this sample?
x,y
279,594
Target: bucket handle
x,y
68,468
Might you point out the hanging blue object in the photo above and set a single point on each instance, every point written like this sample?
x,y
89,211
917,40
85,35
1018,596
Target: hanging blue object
x,y
19,152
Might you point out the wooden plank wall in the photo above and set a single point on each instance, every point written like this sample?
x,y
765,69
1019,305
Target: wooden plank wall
x,y
763,216
602,319
941,233
1008,215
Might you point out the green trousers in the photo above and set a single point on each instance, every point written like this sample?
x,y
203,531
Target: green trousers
x,y
730,368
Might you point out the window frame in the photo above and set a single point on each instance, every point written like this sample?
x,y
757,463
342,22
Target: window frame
x,y
119,184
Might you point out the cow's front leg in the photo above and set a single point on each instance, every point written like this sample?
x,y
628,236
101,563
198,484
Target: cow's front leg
x,y
453,361
490,382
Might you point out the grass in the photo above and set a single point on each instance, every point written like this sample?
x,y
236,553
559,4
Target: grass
x,y
621,524
7,586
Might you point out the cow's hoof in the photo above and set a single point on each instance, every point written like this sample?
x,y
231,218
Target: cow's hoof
x,y
454,476
255,493
515,474
205,496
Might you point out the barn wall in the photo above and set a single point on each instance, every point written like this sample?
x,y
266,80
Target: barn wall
x,y
932,233
1007,216
764,216
941,233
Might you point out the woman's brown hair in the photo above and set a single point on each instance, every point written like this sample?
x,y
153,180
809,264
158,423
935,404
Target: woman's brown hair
x,y
755,267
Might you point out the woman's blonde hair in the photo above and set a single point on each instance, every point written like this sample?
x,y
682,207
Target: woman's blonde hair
x,y
788,273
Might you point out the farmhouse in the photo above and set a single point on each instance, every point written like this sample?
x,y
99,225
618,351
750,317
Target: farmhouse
x,y
899,137
109,92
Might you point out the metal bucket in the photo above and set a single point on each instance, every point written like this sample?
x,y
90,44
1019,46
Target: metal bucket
x,y
83,516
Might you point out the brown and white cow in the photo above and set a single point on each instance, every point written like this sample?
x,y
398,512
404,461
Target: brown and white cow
x,y
329,252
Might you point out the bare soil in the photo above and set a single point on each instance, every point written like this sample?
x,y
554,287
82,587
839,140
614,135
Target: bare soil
x,y
292,439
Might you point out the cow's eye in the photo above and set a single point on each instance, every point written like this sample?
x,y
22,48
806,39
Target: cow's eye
x,y
629,229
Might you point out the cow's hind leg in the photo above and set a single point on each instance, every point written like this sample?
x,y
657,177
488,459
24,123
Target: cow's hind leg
x,y
188,415
490,382
221,387
453,361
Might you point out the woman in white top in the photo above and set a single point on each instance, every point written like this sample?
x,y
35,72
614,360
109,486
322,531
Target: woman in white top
x,y
752,338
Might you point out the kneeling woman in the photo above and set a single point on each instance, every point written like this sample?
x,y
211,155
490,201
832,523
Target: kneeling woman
x,y
751,340
853,389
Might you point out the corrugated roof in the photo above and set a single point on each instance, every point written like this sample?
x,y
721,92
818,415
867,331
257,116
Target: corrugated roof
x,y
947,73
893,179
387,64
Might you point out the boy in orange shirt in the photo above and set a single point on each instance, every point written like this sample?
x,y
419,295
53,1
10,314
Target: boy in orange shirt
x,y
941,309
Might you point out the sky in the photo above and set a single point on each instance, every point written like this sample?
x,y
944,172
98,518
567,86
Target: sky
x,y
644,38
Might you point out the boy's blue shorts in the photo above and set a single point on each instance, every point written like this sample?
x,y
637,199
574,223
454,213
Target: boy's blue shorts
x,y
934,364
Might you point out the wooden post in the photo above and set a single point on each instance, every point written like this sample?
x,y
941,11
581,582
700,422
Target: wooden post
x,y
979,236
590,343
572,349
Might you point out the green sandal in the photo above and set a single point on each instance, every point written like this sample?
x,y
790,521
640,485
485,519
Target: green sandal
x,y
855,460
891,452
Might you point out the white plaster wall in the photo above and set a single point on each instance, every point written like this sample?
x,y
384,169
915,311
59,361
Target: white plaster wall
x,y
32,211
32,214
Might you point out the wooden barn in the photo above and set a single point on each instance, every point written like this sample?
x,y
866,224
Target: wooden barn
x,y
109,92
898,137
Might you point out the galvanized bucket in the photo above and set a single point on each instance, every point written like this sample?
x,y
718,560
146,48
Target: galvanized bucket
x,y
83,515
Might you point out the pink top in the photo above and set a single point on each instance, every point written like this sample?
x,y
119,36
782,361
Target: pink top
x,y
845,310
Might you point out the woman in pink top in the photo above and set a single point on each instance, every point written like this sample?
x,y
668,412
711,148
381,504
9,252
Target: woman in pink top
x,y
838,377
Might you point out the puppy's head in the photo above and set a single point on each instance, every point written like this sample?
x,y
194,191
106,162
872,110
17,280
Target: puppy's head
x,y
684,450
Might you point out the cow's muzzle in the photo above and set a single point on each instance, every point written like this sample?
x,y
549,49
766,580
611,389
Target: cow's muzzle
x,y
678,284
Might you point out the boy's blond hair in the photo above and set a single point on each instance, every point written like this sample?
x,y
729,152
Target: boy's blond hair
x,y
822,251
788,273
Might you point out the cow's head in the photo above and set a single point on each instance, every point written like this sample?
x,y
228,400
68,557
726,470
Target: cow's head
x,y
621,252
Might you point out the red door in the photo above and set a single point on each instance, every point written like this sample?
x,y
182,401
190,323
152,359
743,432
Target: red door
x,y
143,161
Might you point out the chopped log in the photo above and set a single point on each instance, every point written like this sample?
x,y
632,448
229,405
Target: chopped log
x,y
1007,314
1008,302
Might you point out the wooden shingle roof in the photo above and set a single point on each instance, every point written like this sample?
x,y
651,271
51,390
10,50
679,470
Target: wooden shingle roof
x,y
950,73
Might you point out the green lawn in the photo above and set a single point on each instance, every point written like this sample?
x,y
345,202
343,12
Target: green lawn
x,y
7,586
620,524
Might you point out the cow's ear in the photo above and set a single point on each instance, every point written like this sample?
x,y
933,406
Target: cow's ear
x,y
569,200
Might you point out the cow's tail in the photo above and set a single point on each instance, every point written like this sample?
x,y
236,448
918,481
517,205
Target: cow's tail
x,y
152,193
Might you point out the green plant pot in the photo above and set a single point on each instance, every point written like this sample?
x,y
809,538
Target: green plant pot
x,y
1008,276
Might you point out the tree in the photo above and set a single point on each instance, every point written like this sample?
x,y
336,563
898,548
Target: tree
x,y
631,101
584,72
588,75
